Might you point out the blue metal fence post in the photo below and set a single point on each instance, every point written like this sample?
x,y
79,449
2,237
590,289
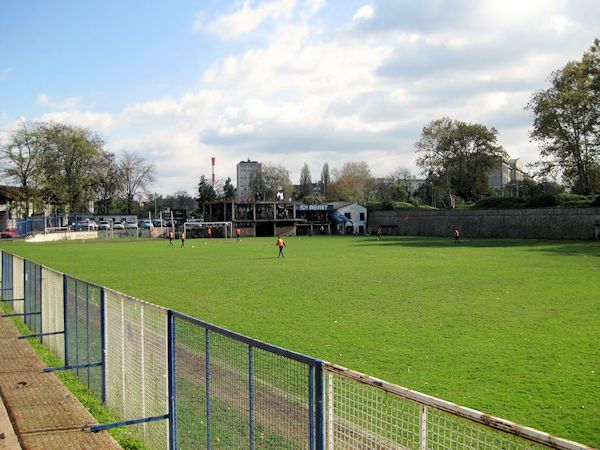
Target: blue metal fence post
x,y
77,325
39,296
171,340
103,341
321,425
25,301
251,394
207,368
87,331
311,406
66,317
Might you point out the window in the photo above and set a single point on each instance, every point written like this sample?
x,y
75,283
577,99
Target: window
x,y
348,215
362,216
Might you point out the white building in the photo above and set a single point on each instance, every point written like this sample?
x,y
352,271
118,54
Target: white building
x,y
355,214
507,173
245,172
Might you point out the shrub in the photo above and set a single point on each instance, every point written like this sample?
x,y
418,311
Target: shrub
x,y
596,201
500,202
541,201
402,205
565,199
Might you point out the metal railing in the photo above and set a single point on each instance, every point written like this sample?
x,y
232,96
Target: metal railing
x,y
178,382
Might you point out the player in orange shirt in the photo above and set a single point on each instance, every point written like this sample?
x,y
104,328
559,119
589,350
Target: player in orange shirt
x,y
281,244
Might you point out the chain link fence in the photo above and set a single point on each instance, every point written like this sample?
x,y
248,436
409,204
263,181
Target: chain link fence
x,y
136,364
180,383
236,392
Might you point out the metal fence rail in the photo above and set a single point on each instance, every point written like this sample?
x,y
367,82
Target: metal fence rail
x,y
366,413
180,383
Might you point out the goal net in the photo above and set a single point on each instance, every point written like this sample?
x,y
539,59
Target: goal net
x,y
198,230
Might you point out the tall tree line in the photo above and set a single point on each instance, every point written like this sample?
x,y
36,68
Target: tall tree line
x,y
65,167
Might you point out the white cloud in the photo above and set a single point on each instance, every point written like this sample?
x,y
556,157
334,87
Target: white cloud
x,y
362,91
364,13
247,19
69,103
104,123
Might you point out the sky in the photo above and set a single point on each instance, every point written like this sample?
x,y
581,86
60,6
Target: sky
x,y
285,82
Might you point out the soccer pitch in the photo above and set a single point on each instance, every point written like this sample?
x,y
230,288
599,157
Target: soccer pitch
x,y
508,327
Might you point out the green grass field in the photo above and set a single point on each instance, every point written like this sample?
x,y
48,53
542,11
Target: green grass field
x,y
508,327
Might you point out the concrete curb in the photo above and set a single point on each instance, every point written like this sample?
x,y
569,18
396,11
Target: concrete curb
x,y
8,438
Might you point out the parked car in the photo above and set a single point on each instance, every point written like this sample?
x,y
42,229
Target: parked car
x,y
132,225
86,225
118,226
9,233
158,223
104,225
146,223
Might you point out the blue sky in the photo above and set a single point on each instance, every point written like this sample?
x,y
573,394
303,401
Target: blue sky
x,y
282,81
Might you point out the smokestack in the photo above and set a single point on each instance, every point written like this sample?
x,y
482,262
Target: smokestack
x,y
213,159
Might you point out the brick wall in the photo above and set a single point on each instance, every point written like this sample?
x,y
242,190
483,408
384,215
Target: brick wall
x,y
539,223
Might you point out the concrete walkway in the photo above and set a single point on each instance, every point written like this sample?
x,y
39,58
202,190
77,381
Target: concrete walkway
x,y
36,410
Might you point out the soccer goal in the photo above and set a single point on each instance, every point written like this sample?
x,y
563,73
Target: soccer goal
x,y
197,230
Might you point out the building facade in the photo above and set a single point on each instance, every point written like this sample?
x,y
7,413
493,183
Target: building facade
x,y
289,218
508,175
9,196
245,172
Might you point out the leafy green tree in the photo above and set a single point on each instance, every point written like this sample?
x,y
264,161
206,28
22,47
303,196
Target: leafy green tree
x,y
399,186
70,157
306,186
531,188
353,183
458,157
137,174
228,190
206,192
566,123
107,182
21,157
183,201
270,179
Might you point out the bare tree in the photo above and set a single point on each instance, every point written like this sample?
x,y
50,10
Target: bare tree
x,y
137,174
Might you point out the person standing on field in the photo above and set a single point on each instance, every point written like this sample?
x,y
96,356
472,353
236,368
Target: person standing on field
x,y
456,234
281,244
379,233
209,232
182,237
238,234
171,238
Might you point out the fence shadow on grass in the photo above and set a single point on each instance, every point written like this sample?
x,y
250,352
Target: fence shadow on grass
x,y
566,248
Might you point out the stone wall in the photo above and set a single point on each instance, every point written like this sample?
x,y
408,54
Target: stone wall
x,y
539,223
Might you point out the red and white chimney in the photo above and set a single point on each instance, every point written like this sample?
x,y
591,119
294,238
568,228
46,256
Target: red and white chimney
x,y
213,159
